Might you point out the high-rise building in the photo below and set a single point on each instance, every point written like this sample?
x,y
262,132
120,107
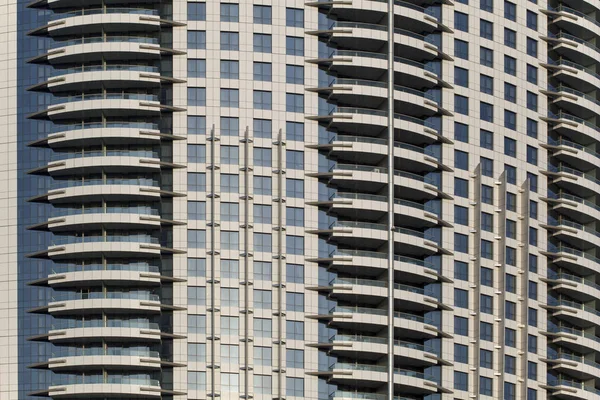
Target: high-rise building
x,y
266,199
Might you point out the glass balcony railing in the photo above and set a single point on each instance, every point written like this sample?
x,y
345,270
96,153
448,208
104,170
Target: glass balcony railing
x,y
142,210
572,304
373,197
64,323
59,156
62,184
135,267
106,96
569,250
567,36
109,67
573,331
370,225
568,143
573,384
571,64
105,379
360,25
105,39
565,89
65,296
109,351
383,170
107,10
573,278
363,396
379,311
569,117
569,10
109,124
374,254
572,171
133,238
381,284
570,197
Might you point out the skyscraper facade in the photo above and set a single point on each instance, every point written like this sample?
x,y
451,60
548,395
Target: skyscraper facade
x,y
333,199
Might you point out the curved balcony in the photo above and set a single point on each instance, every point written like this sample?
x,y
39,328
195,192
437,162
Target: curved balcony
x,y
575,102
575,313
577,129
132,388
573,48
373,151
374,208
575,22
574,260
149,304
581,210
94,278
574,75
145,333
575,366
575,340
576,287
582,183
94,222
371,66
580,157
135,361
574,234
572,390
372,37
141,249
98,189
95,164
75,4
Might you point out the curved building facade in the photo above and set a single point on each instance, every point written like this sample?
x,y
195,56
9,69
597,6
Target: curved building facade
x,y
365,199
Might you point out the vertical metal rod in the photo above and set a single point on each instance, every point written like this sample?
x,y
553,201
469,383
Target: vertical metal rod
x,y
212,262
390,200
246,260
280,266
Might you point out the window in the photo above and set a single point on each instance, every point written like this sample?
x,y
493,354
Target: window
x,y
531,394
263,185
196,267
461,21
532,128
294,17
263,71
196,153
461,160
511,256
262,242
510,65
294,102
262,100
510,390
486,139
510,310
229,155
196,68
486,29
196,238
532,316
510,364
230,69
461,104
532,155
511,229
197,352
510,337
533,290
487,277
461,76
486,359
486,304
262,15
230,183
263,356
461,381
230,383
532,101
487,166
533,209
294,131
230,354
461,270
294,273
230,269
511,201
461,215
486,5
485,386
196,11
262,214
230,240
461,326
461,243
196,380
230,212
461,49
487,222
196,39
532,20
262,43
294,330
294,387
486,56
196,125
531,370
294,358
533,263
487,194
294,188
510,92
230,126
510,120
533,236
532,344
486,84
230,12
262,299
263,271
263,327
262,128
486,112
511,174
294,74
230,98
196,295
461,132
510,10
294,46
262,157
230,41
486,331
510,38
196,96
461,298
263,384
532,47
510,283
294,216
461,353
294,244
533,182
